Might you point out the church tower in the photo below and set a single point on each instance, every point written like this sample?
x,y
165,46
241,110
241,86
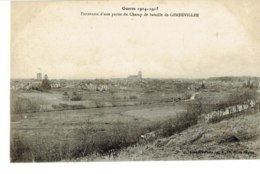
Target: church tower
x,y
140,75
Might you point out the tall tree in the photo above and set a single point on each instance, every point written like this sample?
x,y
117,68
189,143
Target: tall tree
x,y
46,83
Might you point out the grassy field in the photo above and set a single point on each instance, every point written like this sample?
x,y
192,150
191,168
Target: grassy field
x,y
55,99
69,133
62,131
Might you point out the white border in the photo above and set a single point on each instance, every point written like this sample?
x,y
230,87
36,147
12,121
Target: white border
x,y
4,81
219,167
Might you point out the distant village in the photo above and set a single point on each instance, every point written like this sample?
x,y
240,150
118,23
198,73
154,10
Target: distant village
x,y
136,82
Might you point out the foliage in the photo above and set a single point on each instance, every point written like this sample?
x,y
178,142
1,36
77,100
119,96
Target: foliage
x,y
182,121
21,105
76,97
86,142
45,84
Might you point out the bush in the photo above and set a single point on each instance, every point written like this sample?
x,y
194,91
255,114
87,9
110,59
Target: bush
x,y
74,107
241,97
39,150
181,122
20,151
105,143
133,97
63,106
65,93
21,105
75,97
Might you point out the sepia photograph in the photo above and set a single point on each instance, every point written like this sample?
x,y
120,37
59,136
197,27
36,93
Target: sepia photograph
x,y
159,80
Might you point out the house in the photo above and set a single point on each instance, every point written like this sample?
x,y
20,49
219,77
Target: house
x,y
55,85
91,86
102,87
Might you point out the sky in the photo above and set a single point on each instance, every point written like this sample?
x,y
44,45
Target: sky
x,y
53,38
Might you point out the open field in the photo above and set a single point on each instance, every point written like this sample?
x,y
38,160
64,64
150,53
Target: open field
x,y
135,124
54,100
46,129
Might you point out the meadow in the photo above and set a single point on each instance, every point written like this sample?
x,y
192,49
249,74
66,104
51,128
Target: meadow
x,y
58,135
45,126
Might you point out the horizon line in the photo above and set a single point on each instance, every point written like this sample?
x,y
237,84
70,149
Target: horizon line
x,y
244,76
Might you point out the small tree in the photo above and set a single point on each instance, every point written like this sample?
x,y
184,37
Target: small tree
x,y
45,83
203,86
75,97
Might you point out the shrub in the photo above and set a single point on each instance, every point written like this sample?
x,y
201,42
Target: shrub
x,y
65,93
181,122
74,107
21,105
133,97
20,151
105,143
75,97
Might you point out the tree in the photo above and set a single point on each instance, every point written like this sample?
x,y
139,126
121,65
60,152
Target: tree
x,y
203,86
75,97
46,84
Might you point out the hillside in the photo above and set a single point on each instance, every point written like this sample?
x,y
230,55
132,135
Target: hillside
x,y
235,138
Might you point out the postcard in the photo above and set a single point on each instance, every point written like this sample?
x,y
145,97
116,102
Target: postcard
x,y
161,80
